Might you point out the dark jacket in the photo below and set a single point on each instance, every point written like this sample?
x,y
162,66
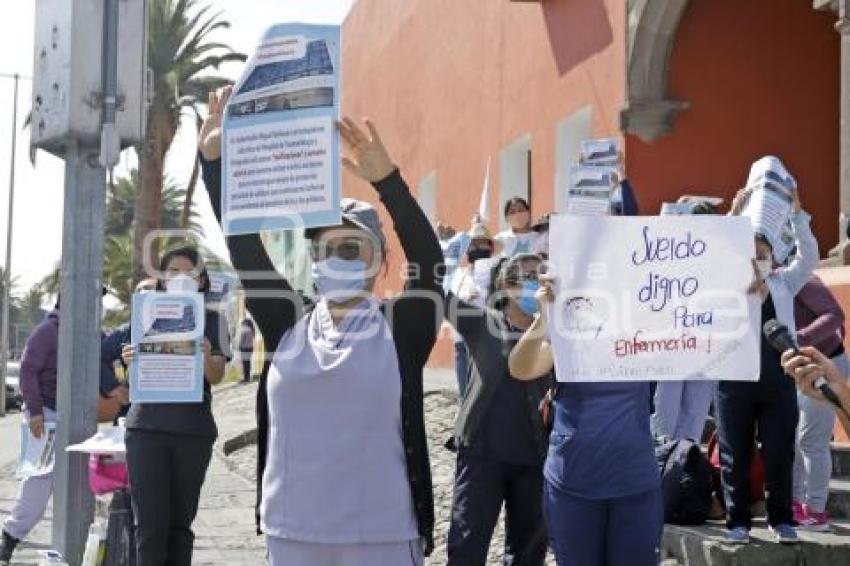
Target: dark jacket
x,y
110,352
38,366
414,318
490,341
819,318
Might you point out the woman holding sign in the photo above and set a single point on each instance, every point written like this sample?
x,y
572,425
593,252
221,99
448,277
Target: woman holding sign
x,y
343,464
499,433
769,404
169,445
601,492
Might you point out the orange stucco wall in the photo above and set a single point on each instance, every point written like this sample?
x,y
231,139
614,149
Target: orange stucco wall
x,y
451,82
762,77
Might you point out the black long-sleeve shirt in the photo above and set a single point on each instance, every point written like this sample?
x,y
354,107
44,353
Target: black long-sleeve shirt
x,y
414,317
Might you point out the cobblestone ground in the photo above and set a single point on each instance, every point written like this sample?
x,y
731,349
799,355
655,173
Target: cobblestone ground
x,y
440,409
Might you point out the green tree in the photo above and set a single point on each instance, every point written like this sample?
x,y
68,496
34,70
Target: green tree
x,y
13,283
181,56
118,273
30,309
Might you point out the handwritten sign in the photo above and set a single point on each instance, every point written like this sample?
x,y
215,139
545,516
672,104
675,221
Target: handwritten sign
x,y
654,298
280,161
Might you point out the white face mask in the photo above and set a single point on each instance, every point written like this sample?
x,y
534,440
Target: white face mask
x,y
765,267
181,284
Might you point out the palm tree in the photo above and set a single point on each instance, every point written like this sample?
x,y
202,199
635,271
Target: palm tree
x,y
13,282
51,284
181,56
29,306
122,200
118,229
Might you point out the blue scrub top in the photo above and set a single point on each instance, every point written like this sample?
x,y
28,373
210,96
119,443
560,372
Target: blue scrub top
x,y
601,446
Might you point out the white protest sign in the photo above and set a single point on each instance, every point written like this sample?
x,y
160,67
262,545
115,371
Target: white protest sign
x,y
590,190
771,200
280,148
654,298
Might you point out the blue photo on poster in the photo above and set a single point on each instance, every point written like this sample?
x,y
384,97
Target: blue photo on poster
x,y
167,332
280,150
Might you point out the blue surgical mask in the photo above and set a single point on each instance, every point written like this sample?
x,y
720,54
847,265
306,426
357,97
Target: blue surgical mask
x,y
340,280
526,300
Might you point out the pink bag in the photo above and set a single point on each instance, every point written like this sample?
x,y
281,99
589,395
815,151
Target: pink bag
x,y
107,474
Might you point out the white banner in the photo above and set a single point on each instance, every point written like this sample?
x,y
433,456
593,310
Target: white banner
x,y
654,298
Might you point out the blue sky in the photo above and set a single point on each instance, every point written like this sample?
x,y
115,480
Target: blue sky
x,y
37,218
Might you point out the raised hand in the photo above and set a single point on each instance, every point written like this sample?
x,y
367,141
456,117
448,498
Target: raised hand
x,y
369,159
209,137
795,195
739,201
127,354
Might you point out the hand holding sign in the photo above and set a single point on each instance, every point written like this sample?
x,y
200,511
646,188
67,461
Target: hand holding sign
x,y
545,294
370,160
795,195
209,137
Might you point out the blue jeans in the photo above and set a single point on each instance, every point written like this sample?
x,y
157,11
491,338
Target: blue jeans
x,y
461,367
623,531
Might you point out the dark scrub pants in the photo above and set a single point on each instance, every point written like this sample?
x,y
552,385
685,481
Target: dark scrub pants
x,y
767,410
481,486
622,531
166,475
169,446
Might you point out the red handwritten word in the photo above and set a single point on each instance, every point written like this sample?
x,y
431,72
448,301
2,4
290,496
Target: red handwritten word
x,y
637,346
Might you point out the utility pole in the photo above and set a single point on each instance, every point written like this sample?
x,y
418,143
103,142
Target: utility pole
x,y
843,28
7,265
79,323
88,100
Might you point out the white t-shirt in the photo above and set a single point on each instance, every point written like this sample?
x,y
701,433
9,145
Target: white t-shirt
x,y
513,243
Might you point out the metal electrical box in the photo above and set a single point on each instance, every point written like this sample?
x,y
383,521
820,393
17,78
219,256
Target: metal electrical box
x,y
67,73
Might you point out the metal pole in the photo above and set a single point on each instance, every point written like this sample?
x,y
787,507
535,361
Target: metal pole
x,y
79,345
7,271
79,326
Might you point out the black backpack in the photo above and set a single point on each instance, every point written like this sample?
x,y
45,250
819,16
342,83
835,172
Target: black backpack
x,y
685,482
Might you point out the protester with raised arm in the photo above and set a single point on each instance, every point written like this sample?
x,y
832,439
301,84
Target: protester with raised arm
x,y
769,404
343,464
601,494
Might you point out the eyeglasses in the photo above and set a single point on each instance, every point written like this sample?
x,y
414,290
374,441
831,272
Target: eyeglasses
x,y
349,248
517,280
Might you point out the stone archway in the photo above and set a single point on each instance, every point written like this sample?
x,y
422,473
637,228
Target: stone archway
x,y
649,112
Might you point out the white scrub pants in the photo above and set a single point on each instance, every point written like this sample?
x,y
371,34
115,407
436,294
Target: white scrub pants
x,y
813,459
681,408
284,552
33,497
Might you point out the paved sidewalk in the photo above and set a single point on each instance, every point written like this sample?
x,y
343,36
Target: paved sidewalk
x,y
225,523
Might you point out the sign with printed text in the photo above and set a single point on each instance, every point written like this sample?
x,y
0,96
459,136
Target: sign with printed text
x,y
654,298
167,332
280,147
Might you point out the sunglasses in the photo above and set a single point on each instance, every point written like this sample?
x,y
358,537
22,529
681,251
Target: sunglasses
x,y
349,248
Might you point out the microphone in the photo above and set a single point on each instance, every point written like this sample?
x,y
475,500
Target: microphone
x,y
780,338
